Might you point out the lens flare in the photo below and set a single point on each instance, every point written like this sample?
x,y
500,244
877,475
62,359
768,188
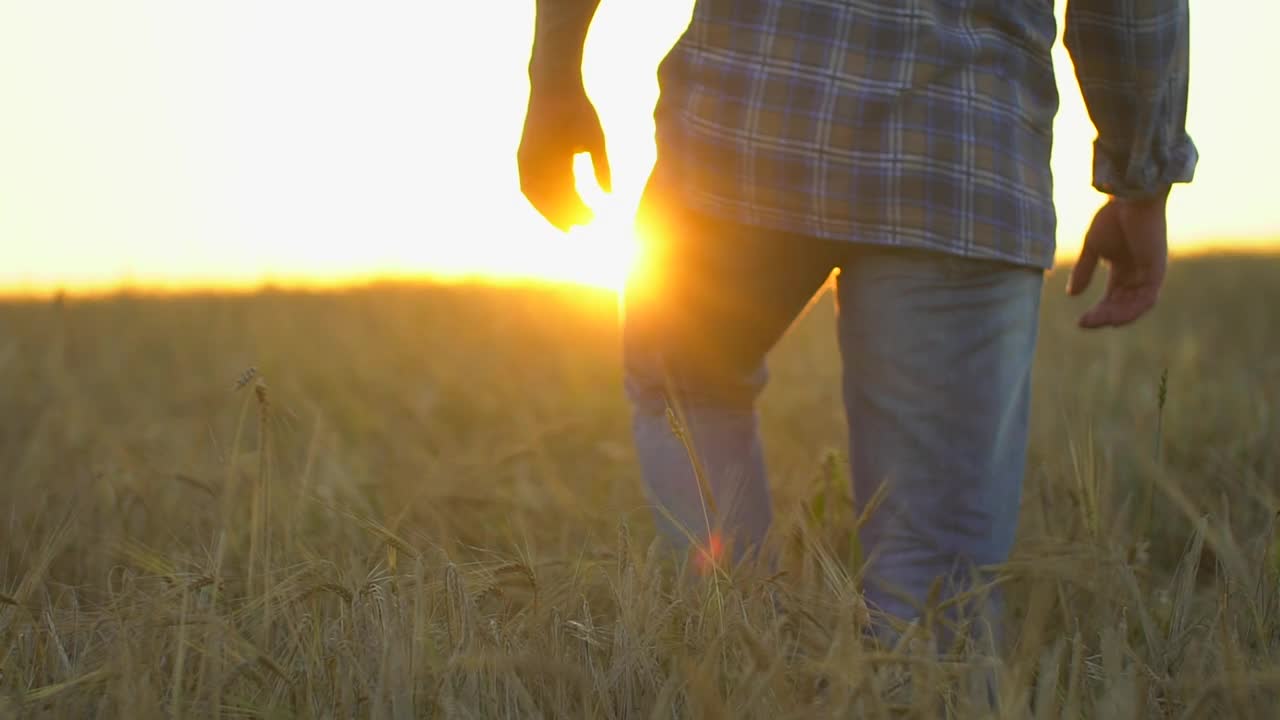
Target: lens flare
x,y
602,252
707,557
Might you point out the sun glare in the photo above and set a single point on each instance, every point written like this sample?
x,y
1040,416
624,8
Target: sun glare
x,y
601,253
227,145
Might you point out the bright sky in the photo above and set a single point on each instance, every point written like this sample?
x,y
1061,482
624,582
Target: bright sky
x,y
174,141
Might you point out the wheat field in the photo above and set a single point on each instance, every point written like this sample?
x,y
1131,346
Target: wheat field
x,y
405,501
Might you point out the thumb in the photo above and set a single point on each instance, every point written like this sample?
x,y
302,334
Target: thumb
x,y
600,162
1082,273
1098,236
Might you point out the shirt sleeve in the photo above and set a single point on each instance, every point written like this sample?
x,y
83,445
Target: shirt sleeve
x,y
1131,60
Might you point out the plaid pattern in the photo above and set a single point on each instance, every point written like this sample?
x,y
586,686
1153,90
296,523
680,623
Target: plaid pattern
x,y
919,123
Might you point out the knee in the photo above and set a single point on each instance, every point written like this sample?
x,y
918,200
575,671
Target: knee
x,y
653,383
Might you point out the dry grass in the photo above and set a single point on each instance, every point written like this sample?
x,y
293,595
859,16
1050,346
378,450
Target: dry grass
x,y
423,503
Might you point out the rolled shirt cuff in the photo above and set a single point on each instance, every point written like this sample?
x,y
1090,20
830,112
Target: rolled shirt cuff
x,y
1148,176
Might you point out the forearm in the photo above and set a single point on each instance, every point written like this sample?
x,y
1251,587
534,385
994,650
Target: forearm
x,y
560,32
1131,60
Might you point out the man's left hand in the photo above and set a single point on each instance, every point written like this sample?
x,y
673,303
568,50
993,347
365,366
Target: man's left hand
x,y
1132,236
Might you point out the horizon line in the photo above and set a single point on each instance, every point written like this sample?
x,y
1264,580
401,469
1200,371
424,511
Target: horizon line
x,y
178,285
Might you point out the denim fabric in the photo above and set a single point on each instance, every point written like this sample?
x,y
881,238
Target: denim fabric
x,y
936,351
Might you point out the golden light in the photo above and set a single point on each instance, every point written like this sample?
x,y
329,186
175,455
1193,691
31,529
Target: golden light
x,y
603,251
227,144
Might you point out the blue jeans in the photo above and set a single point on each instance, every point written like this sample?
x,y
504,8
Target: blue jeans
x,y
936,351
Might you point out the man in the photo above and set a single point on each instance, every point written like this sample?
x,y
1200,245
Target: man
x,y
906,144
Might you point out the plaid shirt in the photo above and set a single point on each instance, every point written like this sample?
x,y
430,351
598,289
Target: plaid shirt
x,y
917,123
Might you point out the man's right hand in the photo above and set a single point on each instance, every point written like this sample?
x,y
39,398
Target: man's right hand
x,y
560,123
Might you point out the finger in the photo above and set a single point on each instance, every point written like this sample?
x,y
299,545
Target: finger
x,y
561,209
1104,314
1082,273
1120,307
600,160
1133,304
569,210
1100,314
600,163
553,195
1097,317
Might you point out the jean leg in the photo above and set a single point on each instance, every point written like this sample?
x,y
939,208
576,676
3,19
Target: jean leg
x,y
697,327
937,354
